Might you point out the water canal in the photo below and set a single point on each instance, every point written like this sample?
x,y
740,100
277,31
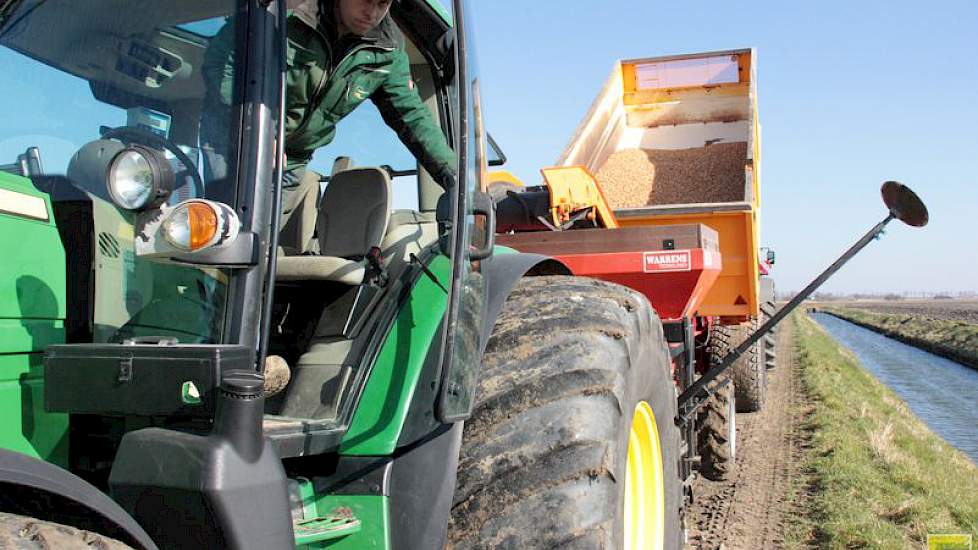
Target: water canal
x,y
939,391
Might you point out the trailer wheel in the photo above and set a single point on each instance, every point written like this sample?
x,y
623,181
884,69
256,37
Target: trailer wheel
x,y
771,338
26,533
572,441
716,433
749,375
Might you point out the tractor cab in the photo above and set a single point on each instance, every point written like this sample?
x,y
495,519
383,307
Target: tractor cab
x,y
168,275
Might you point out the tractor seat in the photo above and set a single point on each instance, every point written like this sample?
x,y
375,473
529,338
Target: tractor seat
x,y
353,217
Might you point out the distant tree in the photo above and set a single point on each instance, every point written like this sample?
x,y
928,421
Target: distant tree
x,y
893,296
784,296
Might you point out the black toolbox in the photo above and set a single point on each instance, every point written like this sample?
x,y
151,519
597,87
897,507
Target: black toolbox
x,y
156,379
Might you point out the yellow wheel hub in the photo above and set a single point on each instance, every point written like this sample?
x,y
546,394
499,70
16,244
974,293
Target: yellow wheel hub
x,y
644,484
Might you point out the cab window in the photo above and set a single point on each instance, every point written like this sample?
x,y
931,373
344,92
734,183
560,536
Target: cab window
x,y
87,84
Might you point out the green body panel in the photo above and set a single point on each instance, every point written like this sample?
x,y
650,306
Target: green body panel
x,y
32,312
24,425
29,335
32,273
384,403
373,513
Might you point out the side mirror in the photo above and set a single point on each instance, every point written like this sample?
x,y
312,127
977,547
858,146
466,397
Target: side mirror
x,y
484,228
495,153
443,215
770,257
483,237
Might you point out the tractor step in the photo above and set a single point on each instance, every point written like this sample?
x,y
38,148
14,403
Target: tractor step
x,y
308,531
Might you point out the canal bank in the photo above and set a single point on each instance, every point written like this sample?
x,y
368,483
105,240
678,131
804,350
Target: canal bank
x,y
954,339
878,477
937,390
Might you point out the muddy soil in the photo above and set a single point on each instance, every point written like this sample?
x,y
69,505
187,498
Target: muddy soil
x,y
753,509
953,310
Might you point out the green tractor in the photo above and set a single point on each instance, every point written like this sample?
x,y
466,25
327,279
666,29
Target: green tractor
x,y
429,389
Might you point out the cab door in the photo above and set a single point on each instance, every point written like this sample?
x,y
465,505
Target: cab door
x,y
474,225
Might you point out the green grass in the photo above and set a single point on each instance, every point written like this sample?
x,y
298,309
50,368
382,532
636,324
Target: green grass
x,y
956,340
879,477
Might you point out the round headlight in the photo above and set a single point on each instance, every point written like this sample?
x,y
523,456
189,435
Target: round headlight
x,y
138,177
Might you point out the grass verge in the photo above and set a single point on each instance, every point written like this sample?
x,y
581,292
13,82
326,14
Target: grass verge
x,y
956,340
879,477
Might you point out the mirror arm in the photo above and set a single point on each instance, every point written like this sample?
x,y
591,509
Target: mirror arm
x,y
495,147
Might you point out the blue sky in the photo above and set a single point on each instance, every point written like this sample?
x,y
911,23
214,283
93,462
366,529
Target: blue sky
x,y
850,94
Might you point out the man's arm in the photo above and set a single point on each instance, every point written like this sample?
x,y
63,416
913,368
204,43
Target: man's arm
x,y
402,109
217,69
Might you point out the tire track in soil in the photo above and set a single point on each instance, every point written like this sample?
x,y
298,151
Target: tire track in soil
x,y
751,510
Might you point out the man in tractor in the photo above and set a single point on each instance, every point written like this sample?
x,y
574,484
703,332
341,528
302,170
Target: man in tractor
x,y
340,52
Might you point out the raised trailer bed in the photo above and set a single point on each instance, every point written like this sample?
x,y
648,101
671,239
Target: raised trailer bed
x,y
688,114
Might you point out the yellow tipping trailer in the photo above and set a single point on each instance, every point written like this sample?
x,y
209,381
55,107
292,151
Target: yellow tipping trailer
x,y
695,119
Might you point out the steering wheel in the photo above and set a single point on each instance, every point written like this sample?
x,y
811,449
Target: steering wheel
x,y
129,134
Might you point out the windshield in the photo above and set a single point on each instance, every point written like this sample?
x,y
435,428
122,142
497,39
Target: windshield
x,y
82,80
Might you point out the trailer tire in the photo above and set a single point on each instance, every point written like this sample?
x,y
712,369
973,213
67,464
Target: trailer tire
x,y
26,533
748,374
575,375
716,433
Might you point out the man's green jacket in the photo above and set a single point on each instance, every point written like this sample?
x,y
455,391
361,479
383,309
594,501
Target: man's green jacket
x,y
326,79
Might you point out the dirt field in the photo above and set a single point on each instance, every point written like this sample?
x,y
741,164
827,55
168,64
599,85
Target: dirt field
x,y
955,310
752,510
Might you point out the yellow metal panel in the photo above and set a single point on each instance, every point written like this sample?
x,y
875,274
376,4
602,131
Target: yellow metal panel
x,y
738,249
573,188
504,176
756,162
736,89
744,60
628,78
629,74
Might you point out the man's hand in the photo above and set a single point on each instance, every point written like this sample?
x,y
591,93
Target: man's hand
x,y
446,180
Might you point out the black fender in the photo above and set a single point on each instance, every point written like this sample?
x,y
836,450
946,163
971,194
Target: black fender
x,y
420,478
30,486
422,487
502,271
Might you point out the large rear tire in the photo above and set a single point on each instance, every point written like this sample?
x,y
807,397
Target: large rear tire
x,y
716,433
716,421
572,441
26,533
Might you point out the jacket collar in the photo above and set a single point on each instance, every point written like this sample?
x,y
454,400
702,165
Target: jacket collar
x,y
316,13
